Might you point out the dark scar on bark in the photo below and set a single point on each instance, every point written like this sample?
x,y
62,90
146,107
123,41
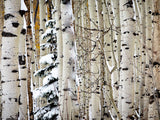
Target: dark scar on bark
x,y
8,34
7,16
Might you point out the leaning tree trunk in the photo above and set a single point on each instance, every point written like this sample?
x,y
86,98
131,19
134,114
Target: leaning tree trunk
x,y
69,64
127,43
10,80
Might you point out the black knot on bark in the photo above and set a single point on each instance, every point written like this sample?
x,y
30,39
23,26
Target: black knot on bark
x,y
65,1
8,34
7,16
15,24
22,12
156,63
23,31
157,93
129,4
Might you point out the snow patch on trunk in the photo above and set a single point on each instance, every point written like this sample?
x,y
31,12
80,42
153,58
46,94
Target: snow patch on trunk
x,y
23,6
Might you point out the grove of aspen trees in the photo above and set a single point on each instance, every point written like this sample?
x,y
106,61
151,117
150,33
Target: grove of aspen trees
x,y
80,59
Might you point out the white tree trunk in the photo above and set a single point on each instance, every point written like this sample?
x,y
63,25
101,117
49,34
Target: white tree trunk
x,y
10,80
70,108
116,49
148,66
154,100
23,111
1,29
60,52
94,110
127,42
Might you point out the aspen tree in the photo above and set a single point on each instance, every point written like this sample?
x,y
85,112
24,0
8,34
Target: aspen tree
x,y
84,46
70,108
101,42
35,81
154,97
148,66
94,110
59,51
23,111
43,51
142,51
36,26
117,46
1,28
42,16
107,49
127,43
29,42
137,64
9,68
78,8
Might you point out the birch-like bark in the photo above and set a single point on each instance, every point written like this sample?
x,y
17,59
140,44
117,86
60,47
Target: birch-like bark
x,y
142,52
148,66
117,47
94,110
84,45
154,97
60,52
70,108
42,16
127,43
1,29
102,60
23,111
43,52
107,59
78,14
34,79
36,38
28,60
9,68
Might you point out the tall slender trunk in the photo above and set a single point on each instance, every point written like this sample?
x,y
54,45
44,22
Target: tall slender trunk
x,y
117,47
60,52
10,80
94,110
1,28
29,50
127,42
154,97
70,108
43,52
23,111
148,66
